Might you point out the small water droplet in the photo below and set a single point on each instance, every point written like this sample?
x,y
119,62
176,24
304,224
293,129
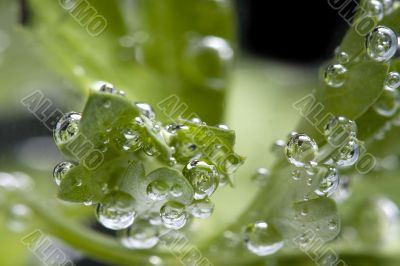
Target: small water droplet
x,y
381,44
388,6
329,182
173,215
108,88
392,80
341,56
346,155
374,8
107,104
176,191
339,129
278,146
301,150
335,75
157,190
201,208
223,127
203,177
332,224
208,61
116,211
132,141
61,170
155,260
261,176
141,235
262,239
146,110
388,103
67,127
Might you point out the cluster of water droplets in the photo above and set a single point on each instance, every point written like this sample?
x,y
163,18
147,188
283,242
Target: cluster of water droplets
x,y
167,204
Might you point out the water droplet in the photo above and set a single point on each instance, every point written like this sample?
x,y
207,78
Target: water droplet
x,y
343,191
155,260
223,127
201,208
298,174
301,150
146,110
278,146
132,141
261,176
381,44
203,177
157,190
185,151
388,6
332,224
341,56
262,239
108,88
61,170
141,235
374,8
67,127
150,150
116,211
346,155
176,191
304,211
139,121
208,61
339,129
88,203
173,215
335,75
329,182
392,80
107,104
387,103
154,218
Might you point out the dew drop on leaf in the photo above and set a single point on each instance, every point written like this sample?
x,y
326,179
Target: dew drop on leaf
x,y
61,170
157,190
262,239
328,183
387,104
146,110
141,235
116,211
301,150
392,80
381,44
260,177
173,215
203,177
335,75
374,8
201,208
339,129
67,127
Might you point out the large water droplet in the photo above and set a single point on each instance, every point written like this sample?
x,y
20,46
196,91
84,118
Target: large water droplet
x,y
339,129
173,215
201,208
329,182
301,150
203,177
61,170
141,235
262,239
208,61
335,75
67,127
157,190
146,110
387,103
116,211
381,44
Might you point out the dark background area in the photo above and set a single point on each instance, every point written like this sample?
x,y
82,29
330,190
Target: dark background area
x,y
304,32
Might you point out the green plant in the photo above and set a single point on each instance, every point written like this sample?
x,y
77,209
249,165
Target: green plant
x,y
145,154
